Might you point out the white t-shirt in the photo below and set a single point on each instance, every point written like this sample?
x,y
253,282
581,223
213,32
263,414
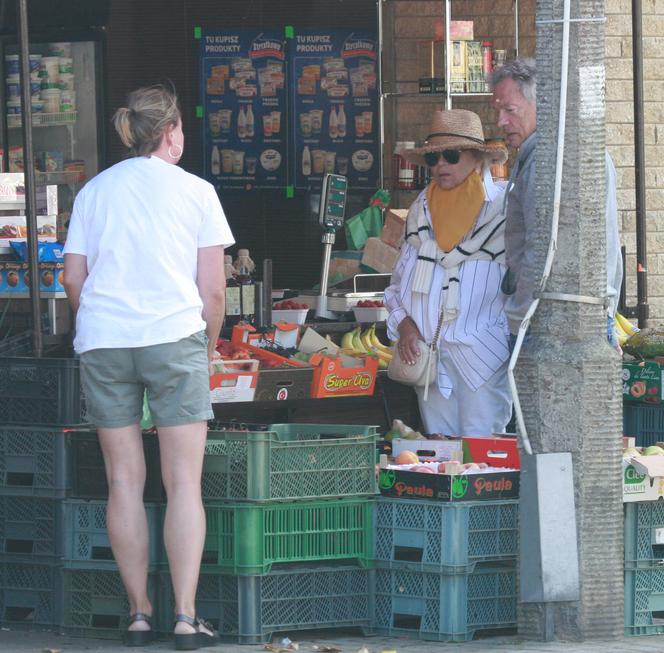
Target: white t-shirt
x,y
140,224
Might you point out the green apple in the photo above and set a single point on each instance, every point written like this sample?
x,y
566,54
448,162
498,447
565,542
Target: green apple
x,y
653,450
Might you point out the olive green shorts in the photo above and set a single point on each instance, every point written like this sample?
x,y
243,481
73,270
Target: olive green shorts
x,y
175,376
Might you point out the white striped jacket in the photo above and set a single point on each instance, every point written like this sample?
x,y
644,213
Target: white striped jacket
x,y
477,340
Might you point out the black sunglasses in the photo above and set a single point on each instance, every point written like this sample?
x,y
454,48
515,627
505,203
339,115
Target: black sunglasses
x,y
451,156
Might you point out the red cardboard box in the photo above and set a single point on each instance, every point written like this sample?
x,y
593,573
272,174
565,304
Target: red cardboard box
x,y
341,376
499,451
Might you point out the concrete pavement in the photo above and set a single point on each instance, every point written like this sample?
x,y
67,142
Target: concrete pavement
x,y
47,642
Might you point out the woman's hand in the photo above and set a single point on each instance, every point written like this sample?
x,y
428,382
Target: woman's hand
x,y
408,337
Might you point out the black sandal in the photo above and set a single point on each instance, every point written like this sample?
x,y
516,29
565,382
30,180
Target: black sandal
x,y
194,641
139,637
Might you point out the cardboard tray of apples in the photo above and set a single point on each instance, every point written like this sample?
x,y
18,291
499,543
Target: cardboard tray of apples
x,y
446,480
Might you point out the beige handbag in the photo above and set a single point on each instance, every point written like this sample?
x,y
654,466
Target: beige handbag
x,y
424,371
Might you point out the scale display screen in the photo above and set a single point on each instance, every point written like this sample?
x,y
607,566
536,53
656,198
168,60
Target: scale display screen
x,y
333,201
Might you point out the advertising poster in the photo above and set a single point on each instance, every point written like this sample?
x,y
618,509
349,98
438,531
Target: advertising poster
x,y
244,109
334,80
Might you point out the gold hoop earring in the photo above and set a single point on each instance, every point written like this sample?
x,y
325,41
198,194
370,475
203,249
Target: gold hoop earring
x,y
179,154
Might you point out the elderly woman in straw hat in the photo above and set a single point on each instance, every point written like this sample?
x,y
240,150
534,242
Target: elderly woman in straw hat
x,y
449,272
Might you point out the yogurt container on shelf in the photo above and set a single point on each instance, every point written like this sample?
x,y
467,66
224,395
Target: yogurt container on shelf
x,y
68,101
51,98
37,105
66,65
66,81
11,64
12,87
50,68
35,64
60,49
14,107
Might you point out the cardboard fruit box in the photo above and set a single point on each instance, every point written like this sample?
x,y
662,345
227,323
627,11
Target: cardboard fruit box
x,y
481,486
343,376
643,381
447,449
643,478
233,380
498,451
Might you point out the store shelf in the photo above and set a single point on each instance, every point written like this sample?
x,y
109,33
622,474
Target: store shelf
x,y
59,177
418,95
43,119
26,295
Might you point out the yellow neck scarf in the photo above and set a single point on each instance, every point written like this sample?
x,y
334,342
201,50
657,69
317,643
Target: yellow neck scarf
x,y
453,212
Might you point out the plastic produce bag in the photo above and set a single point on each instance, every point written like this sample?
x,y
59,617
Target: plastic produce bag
x,y
146,420
367,223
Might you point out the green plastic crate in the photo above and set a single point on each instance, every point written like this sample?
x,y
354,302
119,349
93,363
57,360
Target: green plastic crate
x,y
290,461
247,539
642,521
644,600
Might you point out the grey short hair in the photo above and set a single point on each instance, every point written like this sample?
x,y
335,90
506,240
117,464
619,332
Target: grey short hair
x,y
523,71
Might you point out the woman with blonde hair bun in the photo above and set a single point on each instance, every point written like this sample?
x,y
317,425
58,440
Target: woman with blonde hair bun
x,y
144,274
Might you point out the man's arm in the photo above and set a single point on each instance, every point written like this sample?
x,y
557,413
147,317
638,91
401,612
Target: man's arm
x,y
614,268
76,272
211,282
517,304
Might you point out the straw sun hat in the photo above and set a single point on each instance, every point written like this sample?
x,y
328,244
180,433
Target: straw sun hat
x,y
456,129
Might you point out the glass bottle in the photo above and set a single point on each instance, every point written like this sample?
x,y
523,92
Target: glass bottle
x,y
233,307
215,163
250,122
306,161
333,123
341,122
244,268
242,124
404,170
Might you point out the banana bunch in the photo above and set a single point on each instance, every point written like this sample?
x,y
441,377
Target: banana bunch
x,y
624,329
366,343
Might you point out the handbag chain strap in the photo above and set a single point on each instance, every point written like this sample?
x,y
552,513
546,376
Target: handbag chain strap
x,y
434,342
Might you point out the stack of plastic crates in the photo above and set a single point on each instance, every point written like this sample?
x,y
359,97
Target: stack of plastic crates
x,y
644,568
94,599
289,530
444,571
56,565
39,397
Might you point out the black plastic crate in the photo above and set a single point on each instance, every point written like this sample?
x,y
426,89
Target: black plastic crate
x,y
41,391
88,475
291,598
33,461
94,603
644,422
30,527
30,594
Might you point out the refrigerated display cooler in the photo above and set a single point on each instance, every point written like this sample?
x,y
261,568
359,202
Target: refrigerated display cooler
x,y
67,141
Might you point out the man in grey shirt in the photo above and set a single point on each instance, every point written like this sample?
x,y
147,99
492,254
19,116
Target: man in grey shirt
x,y
514,98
